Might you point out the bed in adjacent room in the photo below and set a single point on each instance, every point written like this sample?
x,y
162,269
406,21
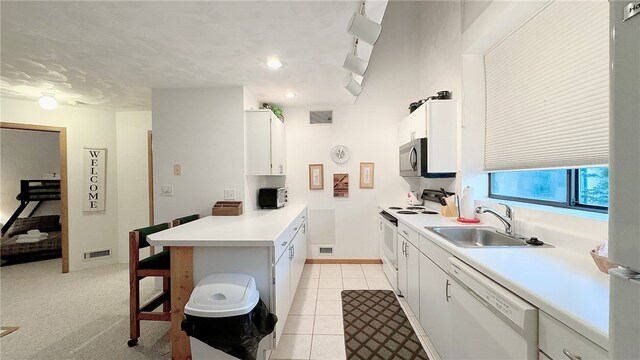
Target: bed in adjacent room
x,y
32,239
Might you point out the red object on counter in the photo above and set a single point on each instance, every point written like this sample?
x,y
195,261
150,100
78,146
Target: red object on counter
x,y
468,221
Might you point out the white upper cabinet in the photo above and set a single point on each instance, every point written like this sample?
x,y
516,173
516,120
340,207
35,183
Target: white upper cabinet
x,y
437,121
264,143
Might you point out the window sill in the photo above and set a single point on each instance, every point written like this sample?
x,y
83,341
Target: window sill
x,y
549,209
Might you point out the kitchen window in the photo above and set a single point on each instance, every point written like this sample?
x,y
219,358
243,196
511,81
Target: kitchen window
x,y
584,188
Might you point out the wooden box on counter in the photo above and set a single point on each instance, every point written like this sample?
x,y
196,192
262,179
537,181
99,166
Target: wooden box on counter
x,y
227,208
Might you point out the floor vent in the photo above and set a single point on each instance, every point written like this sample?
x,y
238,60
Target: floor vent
x,y
92,255
326,250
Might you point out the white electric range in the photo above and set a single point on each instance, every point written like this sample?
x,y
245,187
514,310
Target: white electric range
x,y
389,231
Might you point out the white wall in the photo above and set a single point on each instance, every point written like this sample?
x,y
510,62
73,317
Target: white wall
x,y
87,231
133,178
203,130
369,129
26,155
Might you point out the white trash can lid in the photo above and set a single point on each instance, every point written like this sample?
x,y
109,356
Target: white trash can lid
x,y
223,295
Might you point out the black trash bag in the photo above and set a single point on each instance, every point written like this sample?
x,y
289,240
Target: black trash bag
x,y
237,336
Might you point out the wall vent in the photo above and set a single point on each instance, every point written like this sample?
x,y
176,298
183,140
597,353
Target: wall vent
x,y
92,255
320,117
326,250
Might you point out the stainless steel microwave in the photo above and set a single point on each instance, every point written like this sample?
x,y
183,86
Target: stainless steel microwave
x,y
413,161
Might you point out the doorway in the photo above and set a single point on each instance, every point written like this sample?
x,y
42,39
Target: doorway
x,y
64,209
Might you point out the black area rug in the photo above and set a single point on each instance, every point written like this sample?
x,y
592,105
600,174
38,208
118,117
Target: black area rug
x,y
376,327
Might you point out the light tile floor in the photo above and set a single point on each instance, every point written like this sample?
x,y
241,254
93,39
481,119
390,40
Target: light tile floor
x,y
314,329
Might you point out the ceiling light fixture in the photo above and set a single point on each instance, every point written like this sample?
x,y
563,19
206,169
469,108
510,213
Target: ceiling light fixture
x,y
48,102
289,94
352,85
274,63
364,28
355,64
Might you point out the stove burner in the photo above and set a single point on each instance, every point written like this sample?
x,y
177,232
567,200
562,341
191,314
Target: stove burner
x,y
405,212
395,208
430,212
415,208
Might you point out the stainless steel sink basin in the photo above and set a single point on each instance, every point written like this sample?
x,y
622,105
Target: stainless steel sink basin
x,y
469,237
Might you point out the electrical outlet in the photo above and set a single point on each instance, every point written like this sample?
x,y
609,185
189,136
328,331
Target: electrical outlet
x,y
177,170
166,190
229,194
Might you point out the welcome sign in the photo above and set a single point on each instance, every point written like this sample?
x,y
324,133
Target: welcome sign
x,y
94,185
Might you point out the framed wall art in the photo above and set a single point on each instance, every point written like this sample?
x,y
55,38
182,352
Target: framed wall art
x,y
341,185
366,175
316,177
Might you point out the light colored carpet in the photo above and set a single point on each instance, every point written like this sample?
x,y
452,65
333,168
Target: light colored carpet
x,y
79,315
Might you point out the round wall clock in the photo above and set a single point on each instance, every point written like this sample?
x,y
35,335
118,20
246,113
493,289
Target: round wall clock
x,y
340,154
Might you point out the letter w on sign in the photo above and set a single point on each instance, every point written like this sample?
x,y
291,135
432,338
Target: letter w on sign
x,y
94,182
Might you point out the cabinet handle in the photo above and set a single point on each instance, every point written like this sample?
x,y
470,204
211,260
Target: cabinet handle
x,y
284,243
295,229
404,248
380,225
291,252
446,290
568,354
405,232
304,229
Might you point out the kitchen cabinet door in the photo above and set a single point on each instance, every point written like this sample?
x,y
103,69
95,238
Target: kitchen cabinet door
x,y
435,309
402,266
439,126
413,277
283,293
264,143
277,146
299,256
406,131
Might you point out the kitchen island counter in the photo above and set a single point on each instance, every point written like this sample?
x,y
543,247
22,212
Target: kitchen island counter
x,y
255,228
251,244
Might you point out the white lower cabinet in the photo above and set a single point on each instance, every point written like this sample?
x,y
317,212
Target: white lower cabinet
x,y
298,249
558,341
412,255
409,273
283,294
435,315
288,270
402,266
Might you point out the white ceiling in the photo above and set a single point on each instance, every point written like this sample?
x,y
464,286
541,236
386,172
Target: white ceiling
x,y
111,54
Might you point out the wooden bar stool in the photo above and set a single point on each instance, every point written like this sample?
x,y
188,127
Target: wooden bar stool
x,y
154,265
185,219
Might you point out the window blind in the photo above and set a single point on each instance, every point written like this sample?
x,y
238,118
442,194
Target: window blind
x,y
547,91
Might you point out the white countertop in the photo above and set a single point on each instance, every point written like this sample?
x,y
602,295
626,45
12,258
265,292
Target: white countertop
x,y
255,228
562,283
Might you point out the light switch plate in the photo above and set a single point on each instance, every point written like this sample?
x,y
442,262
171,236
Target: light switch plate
x,y
166,190
229,194
177,170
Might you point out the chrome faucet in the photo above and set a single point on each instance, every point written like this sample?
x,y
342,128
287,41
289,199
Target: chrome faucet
x,y
507,220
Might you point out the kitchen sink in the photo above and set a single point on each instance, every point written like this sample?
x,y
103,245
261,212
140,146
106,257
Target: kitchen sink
x,y
469,237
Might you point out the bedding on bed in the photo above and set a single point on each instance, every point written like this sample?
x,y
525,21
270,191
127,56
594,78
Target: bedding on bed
x,y
12,251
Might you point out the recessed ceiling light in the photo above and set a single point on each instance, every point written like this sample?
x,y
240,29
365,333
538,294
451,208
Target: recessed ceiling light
x,y
48,102
274,63
289,94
